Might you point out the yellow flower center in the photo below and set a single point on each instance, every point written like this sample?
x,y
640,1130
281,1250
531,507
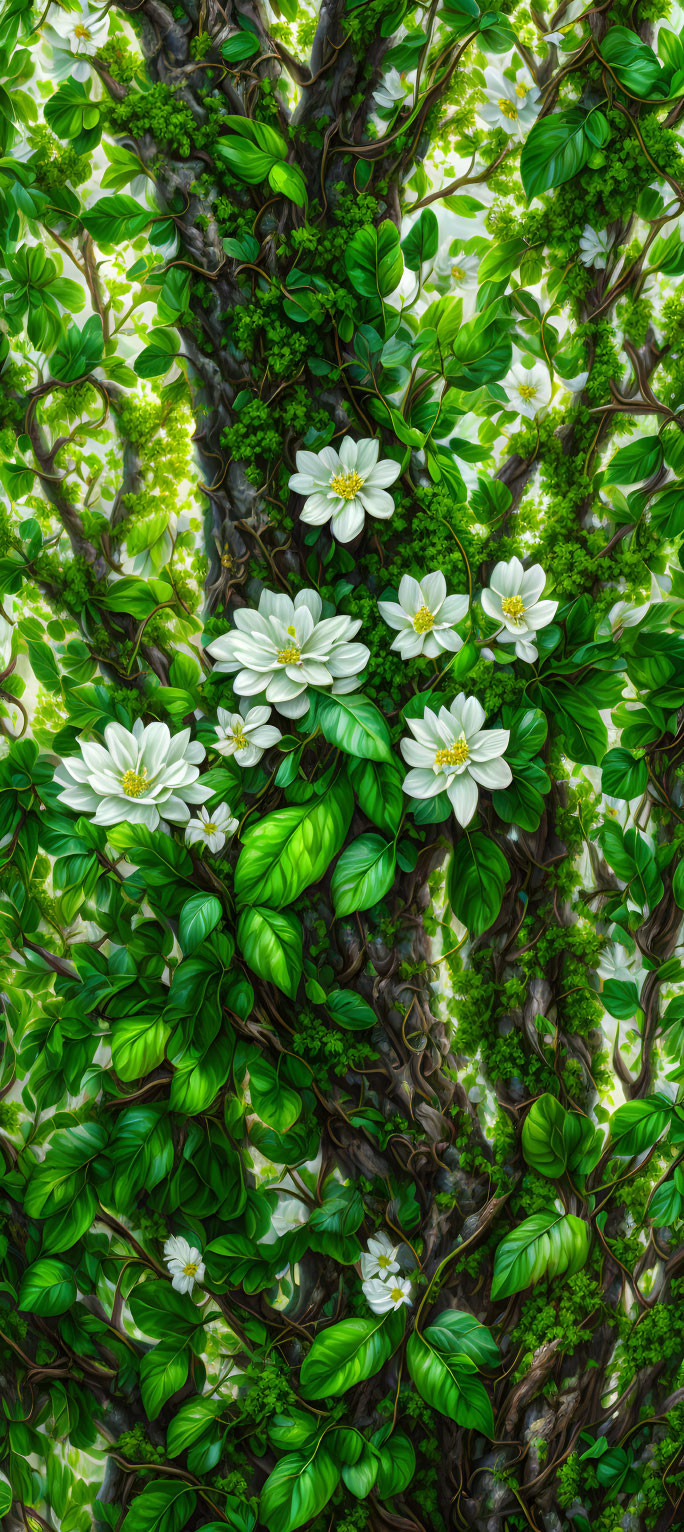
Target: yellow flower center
x,y
507,108
346,485
457,273
454,756
289,656
528,391
210,828
514,607
521,92
190,1269
423,620
134,783
81,31
396,1294
239,739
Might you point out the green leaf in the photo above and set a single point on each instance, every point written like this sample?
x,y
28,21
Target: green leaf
x,y
115,219
373,261
363,875
349,1352
79,351
288,180
422,242
555,150
48,1287
189,1421
449,1383
633,63
378,789
396,1463
138,1044
622,776
5,1496
290,850
639,460
162,1506
299,1487
199,915
478,874
162,1372
348,1010
545,1245
620,998
460,1334
356,726
637,1125
274,1102
271,944
543,1141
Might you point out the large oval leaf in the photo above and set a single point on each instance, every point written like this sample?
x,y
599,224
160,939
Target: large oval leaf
x,y
450,1384
348,1352
299,1487
545,1245
363,875
289,850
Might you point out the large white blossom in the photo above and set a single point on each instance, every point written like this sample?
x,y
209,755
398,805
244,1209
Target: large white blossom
x,y
245,735
140,775
452,753
382,1297
512,599
211,829
528,389
74,36
285,647
595,246
424,616
184,1262
511,104
380,1259
342,486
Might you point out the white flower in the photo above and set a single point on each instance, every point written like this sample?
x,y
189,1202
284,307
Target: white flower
x,y
245,736
456,274
595,246
616,962
512,598
424,616
140,776
511,104
74,36
342,486
290,1214
529,389
390,90
284,648
211,829
624,615
184,1262
383,1296
452,753
380,1259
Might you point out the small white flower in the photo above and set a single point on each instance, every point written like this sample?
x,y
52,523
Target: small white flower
x,y
211,829
624,615
284,648
380,1259
74,36
390,90
424,616
245,736
381,1297
595,247
616,962
452,753
511,104
456,274
342,487
290,1214
184,1262
528,389
140,776
512,598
